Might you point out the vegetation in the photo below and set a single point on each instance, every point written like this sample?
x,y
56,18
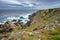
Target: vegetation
x,y
43,25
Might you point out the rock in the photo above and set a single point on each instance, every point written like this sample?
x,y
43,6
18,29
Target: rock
x,y
21,17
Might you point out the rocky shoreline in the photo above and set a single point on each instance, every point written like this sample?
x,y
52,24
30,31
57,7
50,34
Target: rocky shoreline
x,y
42,25
8,27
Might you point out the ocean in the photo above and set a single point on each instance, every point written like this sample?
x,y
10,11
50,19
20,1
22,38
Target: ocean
x,y
8,15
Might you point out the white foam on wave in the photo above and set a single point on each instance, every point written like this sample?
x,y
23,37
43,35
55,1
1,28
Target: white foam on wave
x,y
10,18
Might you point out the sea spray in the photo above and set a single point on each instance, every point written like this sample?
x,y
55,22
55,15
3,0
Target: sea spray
x,y
24,19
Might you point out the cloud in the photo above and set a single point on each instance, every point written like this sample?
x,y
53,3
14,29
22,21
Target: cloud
x,y
25,4
11,1
36,4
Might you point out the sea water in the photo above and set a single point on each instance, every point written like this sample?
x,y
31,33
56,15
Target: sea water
x,y
8,15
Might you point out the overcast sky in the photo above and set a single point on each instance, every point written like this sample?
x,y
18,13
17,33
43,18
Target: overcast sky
x,y
29,4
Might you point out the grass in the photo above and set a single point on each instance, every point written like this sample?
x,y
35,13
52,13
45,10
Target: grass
x,y
38,20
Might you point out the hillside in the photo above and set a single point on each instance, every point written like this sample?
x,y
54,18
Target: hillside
x,y
47,22
43,25
46,17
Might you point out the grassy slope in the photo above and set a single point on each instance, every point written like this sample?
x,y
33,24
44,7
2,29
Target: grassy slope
x,y
47,16
42,18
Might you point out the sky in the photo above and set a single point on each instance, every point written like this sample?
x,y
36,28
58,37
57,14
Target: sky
x,y
29,4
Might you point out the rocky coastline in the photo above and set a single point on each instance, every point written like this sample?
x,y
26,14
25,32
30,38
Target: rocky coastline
x,y
7,25
42,25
